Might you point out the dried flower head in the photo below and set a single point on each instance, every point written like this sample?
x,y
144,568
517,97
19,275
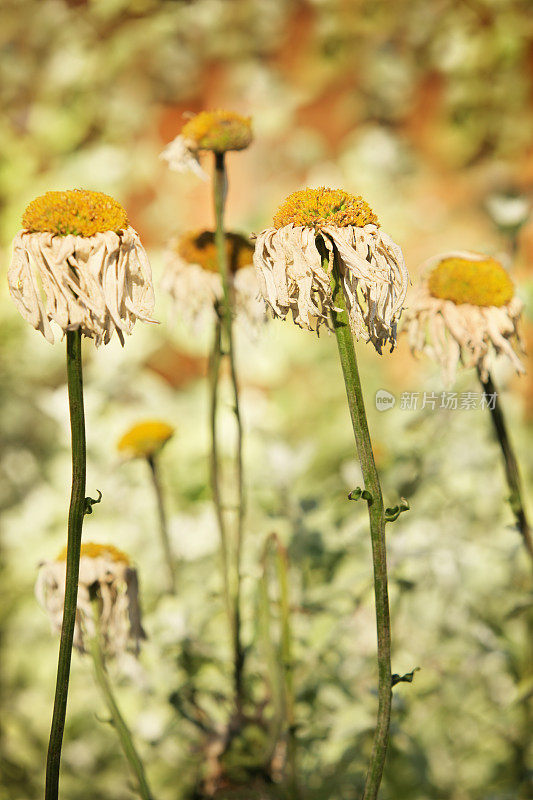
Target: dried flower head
x,y
371,265
106,577
193,280
77,262
218,131
144,439
463,311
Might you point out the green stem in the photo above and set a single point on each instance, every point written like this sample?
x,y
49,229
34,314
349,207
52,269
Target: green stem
x,y
512,471
75,522
214,378
219,197
123,732
163,526
376,514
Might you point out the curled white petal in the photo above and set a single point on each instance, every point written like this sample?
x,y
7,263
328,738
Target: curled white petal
x,y
195,290
372,269
99,284
118,591
460,333
182,155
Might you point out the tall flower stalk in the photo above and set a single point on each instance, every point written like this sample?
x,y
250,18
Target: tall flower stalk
x,y
224,339
326,261
218,132
75,523
376,513
77,263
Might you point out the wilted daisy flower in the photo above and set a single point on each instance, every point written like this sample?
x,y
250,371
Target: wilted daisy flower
x,y
105,572
371,265
193,280
463,311
78,262
145,438
217,131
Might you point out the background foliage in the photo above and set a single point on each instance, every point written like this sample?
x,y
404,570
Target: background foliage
x,y
425,109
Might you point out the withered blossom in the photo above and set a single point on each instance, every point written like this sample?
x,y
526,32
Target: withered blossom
x,y
193,280
464,312
78,262
372,269
106,575
217,131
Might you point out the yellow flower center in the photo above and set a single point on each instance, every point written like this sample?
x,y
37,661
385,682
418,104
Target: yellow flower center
x,y
77,211
145,439
92,550
199,248
219,131
318,208
480,283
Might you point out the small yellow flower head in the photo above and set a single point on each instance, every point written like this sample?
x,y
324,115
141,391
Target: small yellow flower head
x,y
319,208
219,131
145,439
78,212
480,283
198,247
93,550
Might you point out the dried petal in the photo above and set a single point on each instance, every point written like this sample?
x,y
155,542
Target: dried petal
x,y
372,269
182,155
195,290
453,333
117,590
99,284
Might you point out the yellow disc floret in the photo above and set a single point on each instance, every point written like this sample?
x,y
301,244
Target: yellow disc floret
x,y
92,550
319,208
145,439
199,248
219,131
479,283
76,211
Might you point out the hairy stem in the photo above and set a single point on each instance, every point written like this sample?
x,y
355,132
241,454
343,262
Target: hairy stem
x,y
219,197
119,724
75,523
163,525
512,471
376,514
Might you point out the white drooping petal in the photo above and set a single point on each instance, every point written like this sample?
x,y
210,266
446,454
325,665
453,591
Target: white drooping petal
x,y
291,275
182,155
195,290
371,266
99,284
461,333
375,281
117,590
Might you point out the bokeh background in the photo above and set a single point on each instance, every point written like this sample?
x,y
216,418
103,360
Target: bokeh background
x,y
426,109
